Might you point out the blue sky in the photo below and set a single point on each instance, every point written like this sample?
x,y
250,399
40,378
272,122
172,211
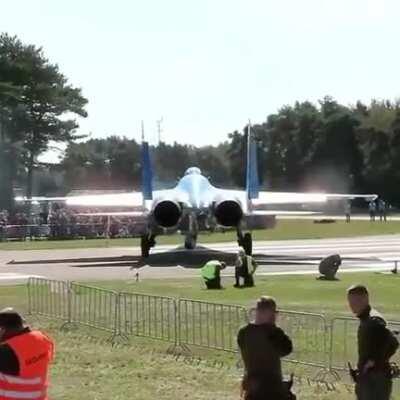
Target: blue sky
x,y
207,66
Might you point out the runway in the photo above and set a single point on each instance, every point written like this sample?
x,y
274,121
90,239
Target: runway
x,y
274,257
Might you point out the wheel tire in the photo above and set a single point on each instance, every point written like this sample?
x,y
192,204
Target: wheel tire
x,y
248,244
145,247
190,243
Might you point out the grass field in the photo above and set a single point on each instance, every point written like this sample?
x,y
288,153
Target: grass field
x,y
298,293
285,229
90,368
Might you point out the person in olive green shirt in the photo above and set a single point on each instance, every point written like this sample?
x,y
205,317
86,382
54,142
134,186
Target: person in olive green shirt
x,y
376,345
211,274
262,344
245,268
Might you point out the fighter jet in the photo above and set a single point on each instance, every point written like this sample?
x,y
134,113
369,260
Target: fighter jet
x,y
194,205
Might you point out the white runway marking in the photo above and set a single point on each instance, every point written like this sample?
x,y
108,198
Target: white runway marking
x,y
9,276
284,257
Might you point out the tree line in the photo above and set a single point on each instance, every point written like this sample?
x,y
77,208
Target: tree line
x,y
324,146
36,102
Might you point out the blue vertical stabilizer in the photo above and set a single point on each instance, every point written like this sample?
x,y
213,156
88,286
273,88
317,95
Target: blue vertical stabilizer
x,y
252,181
147,173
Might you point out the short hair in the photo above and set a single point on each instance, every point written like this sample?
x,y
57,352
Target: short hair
x,y
358,290
266,303
11,319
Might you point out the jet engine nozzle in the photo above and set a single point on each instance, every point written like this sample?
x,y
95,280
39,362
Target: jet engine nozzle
x,y
228,213
167,213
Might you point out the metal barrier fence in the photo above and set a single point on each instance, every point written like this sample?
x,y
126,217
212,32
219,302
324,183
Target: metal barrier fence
x,y
94,307
49,298
185,322
148,316
309,332
343,346
68,231
344,342
209,325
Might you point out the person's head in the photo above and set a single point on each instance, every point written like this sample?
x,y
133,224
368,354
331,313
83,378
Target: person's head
x,y
358,298
10,322
266,310
241,253
222,264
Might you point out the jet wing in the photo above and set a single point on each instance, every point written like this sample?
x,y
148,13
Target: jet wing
x,y
114,214
270,198
128,199
283,212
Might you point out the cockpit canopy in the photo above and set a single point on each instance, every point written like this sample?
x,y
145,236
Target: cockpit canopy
x,y
193,171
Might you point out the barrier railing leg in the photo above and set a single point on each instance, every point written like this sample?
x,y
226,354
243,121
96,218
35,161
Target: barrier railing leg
x,y
178,348
117,336
69,324
29,296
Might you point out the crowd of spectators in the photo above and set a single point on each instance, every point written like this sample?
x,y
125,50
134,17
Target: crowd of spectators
x,y
13,219
66,223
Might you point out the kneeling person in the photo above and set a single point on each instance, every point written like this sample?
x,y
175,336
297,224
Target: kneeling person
x,y
211,274
262,345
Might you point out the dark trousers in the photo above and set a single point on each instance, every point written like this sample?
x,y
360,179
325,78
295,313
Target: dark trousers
x,y
213,283
372,215
263,389
248,279
375,385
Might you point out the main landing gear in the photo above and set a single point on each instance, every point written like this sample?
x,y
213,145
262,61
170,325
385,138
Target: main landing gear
x,y
147,241
245,241
190,241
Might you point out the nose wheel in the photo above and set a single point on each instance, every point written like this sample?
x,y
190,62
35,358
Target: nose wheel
x,y
190,242
146,243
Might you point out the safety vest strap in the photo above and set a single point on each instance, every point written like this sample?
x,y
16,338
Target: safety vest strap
x,y
16,394
251,268
20,381
15,387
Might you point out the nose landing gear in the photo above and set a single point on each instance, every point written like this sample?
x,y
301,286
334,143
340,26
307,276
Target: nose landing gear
x,y
147,241
190,241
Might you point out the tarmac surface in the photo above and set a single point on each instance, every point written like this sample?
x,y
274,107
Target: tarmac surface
x,y
372,253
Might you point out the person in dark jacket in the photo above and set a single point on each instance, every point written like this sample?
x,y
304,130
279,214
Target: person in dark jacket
x,y
262,345
376,345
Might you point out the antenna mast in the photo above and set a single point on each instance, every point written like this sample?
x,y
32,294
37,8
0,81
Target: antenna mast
x,y
159,129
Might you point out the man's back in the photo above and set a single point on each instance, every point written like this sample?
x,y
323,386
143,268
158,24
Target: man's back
x,y
210,270
375,342
262,347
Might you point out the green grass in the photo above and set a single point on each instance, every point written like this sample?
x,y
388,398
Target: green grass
x,y
301,293
90,368
94,370
285,229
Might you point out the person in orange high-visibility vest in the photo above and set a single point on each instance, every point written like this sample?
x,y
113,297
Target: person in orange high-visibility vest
x,y
25,356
